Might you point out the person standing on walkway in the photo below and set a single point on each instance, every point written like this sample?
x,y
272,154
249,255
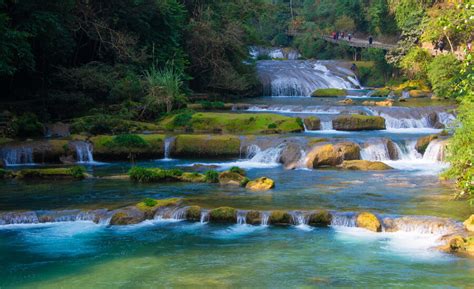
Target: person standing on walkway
x,y
349,36
371,39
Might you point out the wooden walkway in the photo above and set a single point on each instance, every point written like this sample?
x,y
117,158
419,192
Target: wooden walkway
x,y
356,42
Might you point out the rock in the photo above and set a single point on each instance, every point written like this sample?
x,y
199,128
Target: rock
x,y
356,122
67,160
223,215
363,165
469,223
346,101
368,221
230,178
329,92
58,129
192,177
433,120
320,219
332,155
392,150
423,142
193,213
388,102
280,218
260,184
418,93
254,218
312,123
127,216
290,156
207,146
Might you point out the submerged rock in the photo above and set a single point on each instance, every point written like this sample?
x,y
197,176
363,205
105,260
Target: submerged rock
x,y
127,216
260,184
356,122
368,221
312,123
363,165
231,178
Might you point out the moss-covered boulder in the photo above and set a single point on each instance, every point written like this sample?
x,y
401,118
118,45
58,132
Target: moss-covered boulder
x,y
280,218
419,93
150,206
105,148
223,215
461,245
469,223
329,92
312,123
230,178
368,221
364,165
127,216
423,142
76,172
193,213
261,184
380,92
357,122
254,218
332,155
153,175
320,219
212,146
233,123
193,177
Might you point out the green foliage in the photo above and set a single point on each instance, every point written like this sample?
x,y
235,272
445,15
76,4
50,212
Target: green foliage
x,y
77,172
149,202
272,126
443,74
329,92
128,141
148,175
415,63
244,182
27,125
106,124
183,119
237,170
212,104
212,176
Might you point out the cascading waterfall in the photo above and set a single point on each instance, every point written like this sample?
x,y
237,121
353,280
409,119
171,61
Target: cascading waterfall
x,y
17,156
167,148
377,151
267,156
409,118
343,219
302,77
36,217
265,217
241,217
84,151
386,150
204,218
435,151
299,218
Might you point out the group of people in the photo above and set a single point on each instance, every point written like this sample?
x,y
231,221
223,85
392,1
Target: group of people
x,y
341,35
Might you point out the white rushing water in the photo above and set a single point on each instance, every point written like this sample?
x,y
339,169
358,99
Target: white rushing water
x,y
84,152
15,156
302,77
168,143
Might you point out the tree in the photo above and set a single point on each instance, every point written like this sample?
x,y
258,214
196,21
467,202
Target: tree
x,y
345,23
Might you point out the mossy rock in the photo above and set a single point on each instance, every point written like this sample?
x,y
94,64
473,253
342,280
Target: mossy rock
x,y
469,223
77,173
261,184
155,175
312,123
369,222
329,92
357,122
193,213
150,206
381,92
103,150
235,123
254,218
223,215
230,178
193,177
127,216
364,165
417,93
411,85
5,174
213,146
423,142
281,218
320,219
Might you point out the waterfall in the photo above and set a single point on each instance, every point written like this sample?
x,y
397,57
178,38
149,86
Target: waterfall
x,y
265,216
421,225
386,150
17,156
167,147
171,214
35,217
241,217
267,156
204,218
84,151
299,218
343,219
302,77
435,151
375,152
419,118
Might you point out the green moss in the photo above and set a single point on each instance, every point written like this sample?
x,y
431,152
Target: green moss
x,y
381,92
313,141
4,174
149,202
149,175
234,123
329,92
107,124
152,204
4,140
104,147
244,182
193,213
223,215
320,219
237,170
280,218
212,176
254,218
193,177
52,173
207,146
356,122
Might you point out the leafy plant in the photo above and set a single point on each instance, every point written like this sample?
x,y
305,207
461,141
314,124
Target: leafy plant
x,y
129,142
149,202
237,170
272,125
77,172
27,125
212,176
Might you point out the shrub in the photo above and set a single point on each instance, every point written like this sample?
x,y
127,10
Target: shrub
x,y
77,172
27,125
212,104
212,176
272,126
183,119
244,182
147,175
442,73
127,141
237,170
299,121
149,202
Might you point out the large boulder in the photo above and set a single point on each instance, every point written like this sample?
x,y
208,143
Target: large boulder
x,y
230,178
469,223
280,218
312,123
127,216
461,245
419,93
207,146
392,150
193,213
290,156
363,165
368,221
253,218
433,120
320,219
423,142
332,155
357,122
260,184
223,215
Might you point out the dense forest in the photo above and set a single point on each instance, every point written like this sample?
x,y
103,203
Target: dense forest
x,y
139,60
